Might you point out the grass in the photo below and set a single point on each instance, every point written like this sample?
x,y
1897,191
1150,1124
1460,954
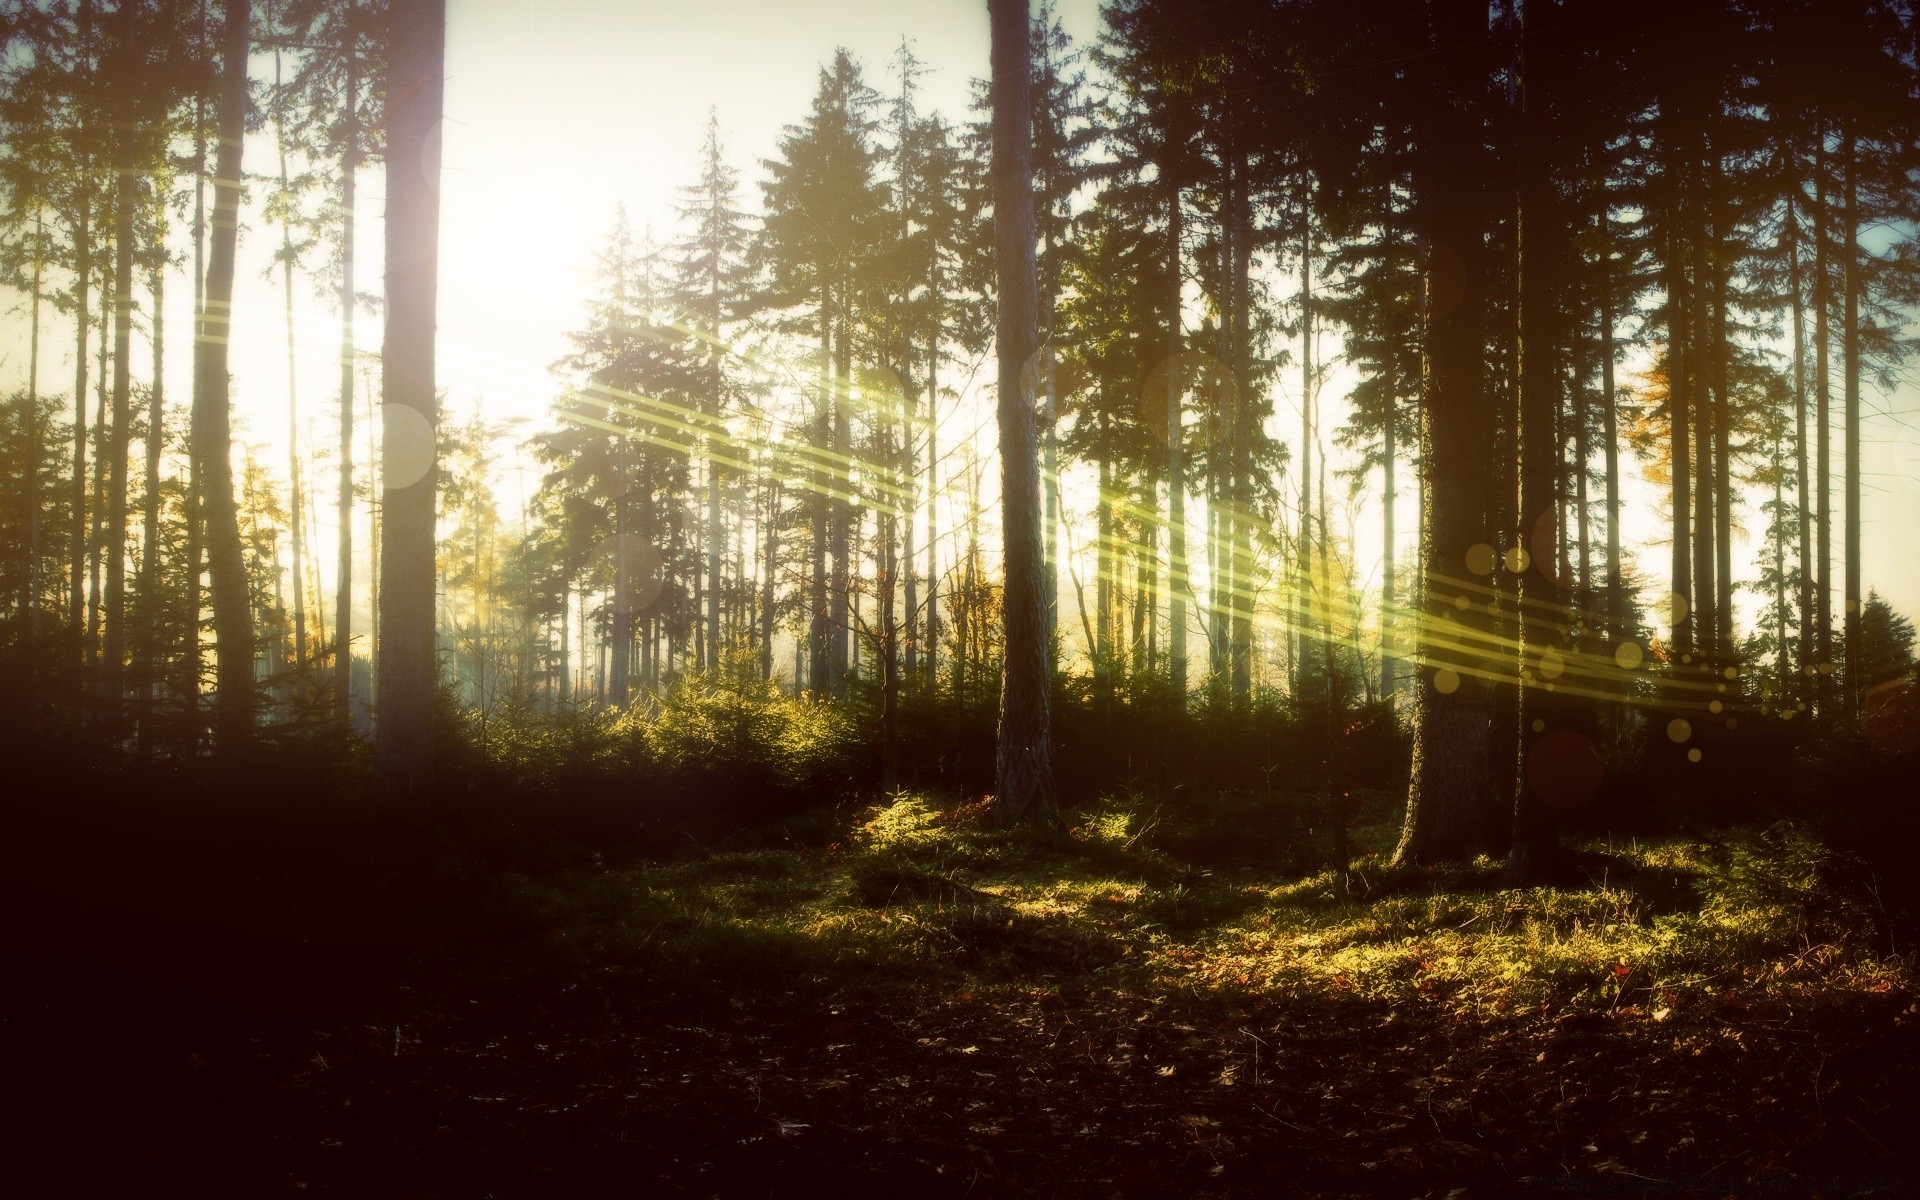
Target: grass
x,y
899,999
918,894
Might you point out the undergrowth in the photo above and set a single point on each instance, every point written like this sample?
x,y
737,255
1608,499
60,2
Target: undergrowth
x,y
919,895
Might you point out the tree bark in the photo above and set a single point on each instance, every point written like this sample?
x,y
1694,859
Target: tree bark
x,y
1177,580
1542,601
119,442
226,560
1803,686
1448,790
1023,777
1850,275
408,661
1823,425
343,571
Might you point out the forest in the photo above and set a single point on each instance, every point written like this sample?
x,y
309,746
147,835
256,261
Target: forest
x,y
1130,598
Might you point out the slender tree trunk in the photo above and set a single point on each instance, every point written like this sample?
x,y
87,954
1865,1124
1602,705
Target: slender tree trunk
x,y
226,560
1307,596
1582,450
1803,686
1177,579
933,493
1679,414
1705,353
190,651
1850,275
1103,574
767,583
909,549
841,526
343,563
1610,431
1542,603
77,569
113,682
1240,653
1823,425
151,658
1722,464
82,279
716,532
1023,776
618,684
97,531
296,514
30,464
820,658
887,618
408,661
1389,456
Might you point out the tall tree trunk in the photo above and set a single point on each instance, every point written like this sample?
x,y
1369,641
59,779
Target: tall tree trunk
x,y
151,657
842,530
1103,572
933,466
819,656
1582,450
1307,599
1240,597
619,684
97,525
1023,776
1803,686
343,563
1389,455
408,662
1610,432
30,465
887,618
1679,410
909,550
1448,789
112,682
1722,460
297,510
213,449
1542,602
82,279
715,532
769,559
1705,354
77,568
195,511
1823,425
1850,275
1177,579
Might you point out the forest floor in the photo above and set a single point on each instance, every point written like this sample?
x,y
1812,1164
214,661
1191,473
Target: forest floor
x,y
896,1001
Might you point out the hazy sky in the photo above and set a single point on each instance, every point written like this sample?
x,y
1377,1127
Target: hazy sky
x,y
559,110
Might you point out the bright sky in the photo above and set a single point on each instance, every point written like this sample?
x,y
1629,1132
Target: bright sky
x,y
559,110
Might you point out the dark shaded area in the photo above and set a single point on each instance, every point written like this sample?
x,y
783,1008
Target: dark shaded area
x,y
254,978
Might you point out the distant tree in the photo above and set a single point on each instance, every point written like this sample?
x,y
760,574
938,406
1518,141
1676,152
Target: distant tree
x,y
713,280
818,238
1883,642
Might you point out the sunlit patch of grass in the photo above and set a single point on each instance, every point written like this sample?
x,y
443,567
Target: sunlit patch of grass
x,y
908,895
1761,911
